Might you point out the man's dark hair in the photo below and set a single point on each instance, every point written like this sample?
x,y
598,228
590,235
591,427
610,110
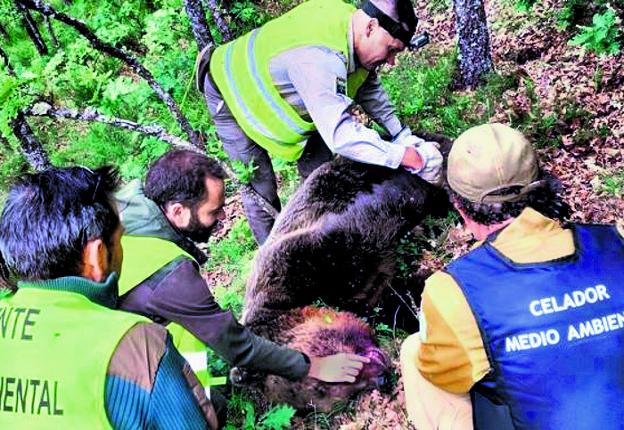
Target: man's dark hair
x,y
545,199
179,177
49,217
5,282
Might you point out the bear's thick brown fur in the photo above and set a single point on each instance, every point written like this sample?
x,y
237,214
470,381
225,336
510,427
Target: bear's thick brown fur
x,y
320,332
334,242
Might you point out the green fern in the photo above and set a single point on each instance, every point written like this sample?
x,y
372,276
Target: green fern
x,y
602,36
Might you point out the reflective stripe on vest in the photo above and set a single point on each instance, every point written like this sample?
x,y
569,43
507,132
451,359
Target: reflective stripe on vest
x,y
553,331
52,372
143,257
194,352
240,69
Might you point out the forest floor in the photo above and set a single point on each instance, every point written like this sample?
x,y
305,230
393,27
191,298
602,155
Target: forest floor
x,y
568,100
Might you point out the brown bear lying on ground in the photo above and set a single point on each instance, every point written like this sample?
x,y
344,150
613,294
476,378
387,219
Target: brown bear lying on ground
x,y
334,242
319,332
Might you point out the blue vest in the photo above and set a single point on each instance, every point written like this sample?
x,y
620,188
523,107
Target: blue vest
x,y
553,332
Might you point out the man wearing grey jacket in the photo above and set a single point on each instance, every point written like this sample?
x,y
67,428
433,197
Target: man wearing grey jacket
x,y
182,198
287,90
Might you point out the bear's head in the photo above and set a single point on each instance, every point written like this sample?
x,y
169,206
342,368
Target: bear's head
x,y
321,332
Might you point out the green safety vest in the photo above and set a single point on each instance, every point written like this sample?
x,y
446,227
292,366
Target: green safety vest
x,y
240,69
55,347
144,256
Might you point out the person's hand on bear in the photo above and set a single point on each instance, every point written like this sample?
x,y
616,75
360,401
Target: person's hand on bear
x,y
421,157
342,367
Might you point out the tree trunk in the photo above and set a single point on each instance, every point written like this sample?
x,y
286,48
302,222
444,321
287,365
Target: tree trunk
x,y
475,59
30,145
199,25
32,29
222,26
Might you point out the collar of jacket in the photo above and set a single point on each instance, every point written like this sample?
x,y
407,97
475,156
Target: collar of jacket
x,y
105,293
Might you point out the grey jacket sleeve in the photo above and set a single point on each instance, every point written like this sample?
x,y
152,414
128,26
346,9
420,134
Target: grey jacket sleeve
x,y
374,99
178,293
316,77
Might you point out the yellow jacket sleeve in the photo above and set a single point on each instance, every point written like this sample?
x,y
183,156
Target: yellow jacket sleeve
x,y
452,355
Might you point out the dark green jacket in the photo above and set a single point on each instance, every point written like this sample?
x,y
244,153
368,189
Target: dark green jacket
x,y
177,292
142,217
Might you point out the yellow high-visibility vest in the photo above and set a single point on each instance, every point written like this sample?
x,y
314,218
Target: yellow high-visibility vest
x,y
240,69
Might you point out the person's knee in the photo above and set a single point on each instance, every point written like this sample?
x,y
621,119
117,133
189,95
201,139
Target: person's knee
x,y
410,349
219,403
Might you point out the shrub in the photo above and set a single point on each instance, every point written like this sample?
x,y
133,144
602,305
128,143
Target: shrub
x,y
602,36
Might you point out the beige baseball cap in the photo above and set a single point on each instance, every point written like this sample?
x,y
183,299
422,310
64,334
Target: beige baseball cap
x,y
492,163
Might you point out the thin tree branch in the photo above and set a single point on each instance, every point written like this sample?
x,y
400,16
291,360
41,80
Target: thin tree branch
x,y
42,108
132,62
199,24
31,147
32,29
51,31
45,109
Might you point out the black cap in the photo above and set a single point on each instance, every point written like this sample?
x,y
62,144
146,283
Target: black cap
x,y
397,30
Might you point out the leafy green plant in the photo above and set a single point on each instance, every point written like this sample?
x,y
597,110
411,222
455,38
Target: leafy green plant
x,y
216,365
613,183
524,6
229,298
275,418
247,16
229,250
244,172
421,88
602,36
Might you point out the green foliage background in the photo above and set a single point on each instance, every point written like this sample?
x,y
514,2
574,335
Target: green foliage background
x,y
77,76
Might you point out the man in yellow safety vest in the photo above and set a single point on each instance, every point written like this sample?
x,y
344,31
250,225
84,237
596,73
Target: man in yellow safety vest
x,y
67,359
183,198
287,90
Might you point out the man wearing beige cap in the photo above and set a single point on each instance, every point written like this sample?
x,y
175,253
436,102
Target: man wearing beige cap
x,y
526,331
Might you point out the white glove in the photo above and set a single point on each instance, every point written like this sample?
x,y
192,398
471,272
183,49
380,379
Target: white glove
x,y
429,152
432,162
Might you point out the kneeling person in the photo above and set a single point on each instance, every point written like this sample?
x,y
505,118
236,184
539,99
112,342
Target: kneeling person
x,y
183,199
528,321
68,360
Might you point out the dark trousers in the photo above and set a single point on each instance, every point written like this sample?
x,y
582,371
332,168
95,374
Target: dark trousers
x,y
239,147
